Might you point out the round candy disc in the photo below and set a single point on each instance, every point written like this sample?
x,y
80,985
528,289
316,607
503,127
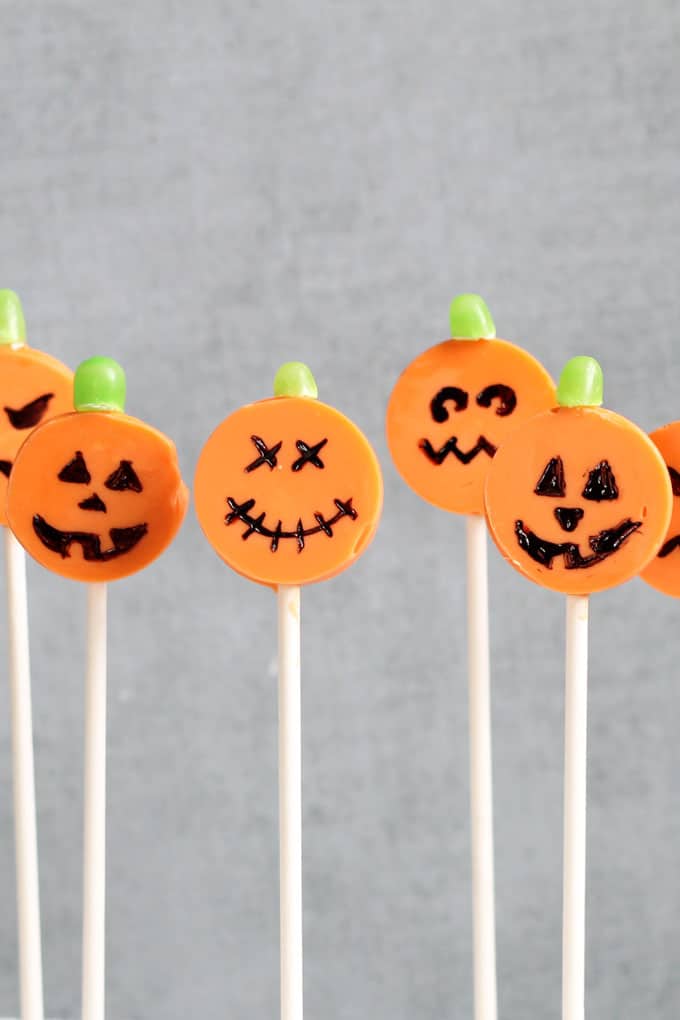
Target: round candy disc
x,y
33,388
288,490
578,499
663,572
455,405
96,495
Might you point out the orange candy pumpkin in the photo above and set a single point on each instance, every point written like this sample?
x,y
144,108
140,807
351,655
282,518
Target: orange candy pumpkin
x,y
33,388
578,499
288,490
96,495
663,572
454,406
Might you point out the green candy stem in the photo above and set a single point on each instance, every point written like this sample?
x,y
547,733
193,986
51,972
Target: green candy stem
x,y
295,379
470,319
99,385
12,324
581,383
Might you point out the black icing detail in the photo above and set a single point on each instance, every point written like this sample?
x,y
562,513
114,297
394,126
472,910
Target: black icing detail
x,y
505,395
308,455
568,517
30,415
675,481
551,482
451,446
255,525
5,468
75,471
123,539
267,455
93,502
457,396
603,545
601,484
124,478
668,547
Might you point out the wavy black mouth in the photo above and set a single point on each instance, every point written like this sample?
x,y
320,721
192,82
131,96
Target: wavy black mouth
x,y
123,539
451,447
255,525
602,545
668,547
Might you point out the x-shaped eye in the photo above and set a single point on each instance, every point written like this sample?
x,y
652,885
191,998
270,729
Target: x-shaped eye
x,y
308,455
28,416
267,454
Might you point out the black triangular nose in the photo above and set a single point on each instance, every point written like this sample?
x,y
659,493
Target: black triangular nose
x,y
93,502
568,517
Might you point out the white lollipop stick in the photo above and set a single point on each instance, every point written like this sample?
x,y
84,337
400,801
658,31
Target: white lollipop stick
x,y
25,835
575,763
94,852
290,803
481,786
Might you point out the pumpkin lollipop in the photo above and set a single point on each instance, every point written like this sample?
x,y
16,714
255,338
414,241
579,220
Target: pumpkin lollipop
x,y
663,572
96,495
578,499
33,387
448,413
288,491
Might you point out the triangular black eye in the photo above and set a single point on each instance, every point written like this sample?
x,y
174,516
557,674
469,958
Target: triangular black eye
x,y
675,480
601,484
75,471
28,416
551,482
123,478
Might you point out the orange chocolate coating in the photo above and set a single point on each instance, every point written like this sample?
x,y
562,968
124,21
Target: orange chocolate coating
x,y
663,572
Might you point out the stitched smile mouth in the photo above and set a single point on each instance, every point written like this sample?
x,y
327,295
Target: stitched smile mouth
x,y
668,547
602,545
255,525
123,539
451,446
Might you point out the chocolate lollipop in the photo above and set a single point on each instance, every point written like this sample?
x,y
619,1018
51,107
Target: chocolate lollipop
x,y
578,500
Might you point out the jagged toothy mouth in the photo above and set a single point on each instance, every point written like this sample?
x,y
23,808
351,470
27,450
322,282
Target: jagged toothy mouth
x,y
255,525
451,447
602,545
123,540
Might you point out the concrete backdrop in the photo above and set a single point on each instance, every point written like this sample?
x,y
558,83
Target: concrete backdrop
x,y
203,191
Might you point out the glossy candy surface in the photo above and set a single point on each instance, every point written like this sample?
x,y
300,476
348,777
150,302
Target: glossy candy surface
x,y
455,405
96,495
578,499
33,388
288,490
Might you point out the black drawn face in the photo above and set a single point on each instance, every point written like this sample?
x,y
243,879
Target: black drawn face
x,y
672,541
307,459
26,417
452,400
123,479
600,488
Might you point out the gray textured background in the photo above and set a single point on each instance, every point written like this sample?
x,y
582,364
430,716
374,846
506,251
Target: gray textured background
x,y
202,191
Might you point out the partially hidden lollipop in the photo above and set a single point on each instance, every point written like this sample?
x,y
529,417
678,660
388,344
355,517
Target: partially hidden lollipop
x,y
96,495
663,572
449,412
578,499
33,387
288,491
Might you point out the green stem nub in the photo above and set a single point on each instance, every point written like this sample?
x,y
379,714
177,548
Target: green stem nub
x,y
295,379
99,385
12,324
581,383
470,318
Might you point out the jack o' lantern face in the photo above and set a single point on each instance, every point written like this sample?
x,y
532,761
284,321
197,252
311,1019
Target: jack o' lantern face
x,y
33,388
288,491
578,499
451,410
663,573
96,496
